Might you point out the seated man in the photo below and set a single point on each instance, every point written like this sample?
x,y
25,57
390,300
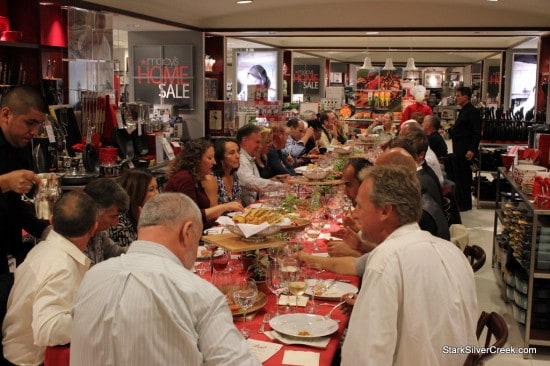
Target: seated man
x,y
41,301
431,125
252,183
298,136
279,163
112,200
146,307
418,291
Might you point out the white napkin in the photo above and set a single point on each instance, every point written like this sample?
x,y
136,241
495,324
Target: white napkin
x,y
263,350
215,230
291,300
317,342
301,358
250,229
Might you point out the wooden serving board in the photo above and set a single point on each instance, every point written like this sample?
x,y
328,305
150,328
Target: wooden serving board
x,y
234,243
307,182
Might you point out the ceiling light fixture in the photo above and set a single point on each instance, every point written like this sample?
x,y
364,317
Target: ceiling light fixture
x,y
367,63
410,65
241,2
372,33
388,65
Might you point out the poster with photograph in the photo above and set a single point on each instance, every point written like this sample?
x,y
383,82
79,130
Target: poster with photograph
x,y
256,68
306,79
378,89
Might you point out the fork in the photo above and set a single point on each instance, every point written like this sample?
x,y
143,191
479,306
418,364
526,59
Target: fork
x,y
327,316
265,321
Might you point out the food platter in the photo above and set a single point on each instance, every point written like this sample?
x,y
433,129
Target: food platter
x,y
334,291
304,325
260,302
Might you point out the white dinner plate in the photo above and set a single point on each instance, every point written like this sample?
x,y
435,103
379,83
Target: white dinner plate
x,y
204,254
300,169
303,325
335,291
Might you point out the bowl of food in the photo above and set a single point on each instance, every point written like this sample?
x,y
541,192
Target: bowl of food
x,y
315,174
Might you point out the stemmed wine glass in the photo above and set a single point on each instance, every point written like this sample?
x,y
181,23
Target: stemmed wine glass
x,y
289,267
245,294
275,282
314,278
298,286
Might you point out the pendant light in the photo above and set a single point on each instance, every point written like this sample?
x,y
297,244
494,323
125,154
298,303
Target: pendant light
x,y
410,65
389,64
367,64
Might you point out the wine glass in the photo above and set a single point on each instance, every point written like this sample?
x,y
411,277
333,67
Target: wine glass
x,y
245,294
288,269
298,286
275,282
314,278
220,261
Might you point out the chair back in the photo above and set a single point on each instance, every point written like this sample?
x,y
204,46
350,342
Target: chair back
x,y
476,256
496,328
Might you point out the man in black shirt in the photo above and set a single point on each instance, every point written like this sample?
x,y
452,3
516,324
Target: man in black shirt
x,y
22,111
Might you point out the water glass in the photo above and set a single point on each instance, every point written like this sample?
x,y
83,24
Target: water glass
x,y
244,295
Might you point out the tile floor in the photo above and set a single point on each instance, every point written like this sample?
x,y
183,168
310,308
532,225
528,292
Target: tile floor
x,y
480,227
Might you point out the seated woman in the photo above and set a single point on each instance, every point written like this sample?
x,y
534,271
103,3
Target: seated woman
x,y
140,186
186,174
223,186
315,144
384,127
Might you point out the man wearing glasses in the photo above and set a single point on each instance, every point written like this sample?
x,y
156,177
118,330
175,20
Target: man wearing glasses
x,y
22,111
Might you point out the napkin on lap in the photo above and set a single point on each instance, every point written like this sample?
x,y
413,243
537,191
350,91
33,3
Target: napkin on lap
x,y
291,300
301,358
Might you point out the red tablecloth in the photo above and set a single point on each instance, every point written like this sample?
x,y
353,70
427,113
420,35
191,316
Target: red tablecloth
x,y
327,354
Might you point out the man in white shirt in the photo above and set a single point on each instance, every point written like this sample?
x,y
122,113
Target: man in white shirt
x,y
146,307
41,301
418,291
250,140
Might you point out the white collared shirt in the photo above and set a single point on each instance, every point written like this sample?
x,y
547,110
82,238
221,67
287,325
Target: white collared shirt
x,y
145,308
41,301
418,295
250,180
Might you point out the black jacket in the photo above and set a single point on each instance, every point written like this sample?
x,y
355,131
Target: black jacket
x,y
15,214
466,132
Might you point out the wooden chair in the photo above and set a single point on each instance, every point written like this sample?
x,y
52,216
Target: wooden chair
x,y
476,256
497,329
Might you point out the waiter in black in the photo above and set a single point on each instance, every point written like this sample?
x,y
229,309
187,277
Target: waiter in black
x,y
466,136
22,111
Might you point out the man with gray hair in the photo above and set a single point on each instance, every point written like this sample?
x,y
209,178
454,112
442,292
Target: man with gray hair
x,y
146,307
41,301
418,293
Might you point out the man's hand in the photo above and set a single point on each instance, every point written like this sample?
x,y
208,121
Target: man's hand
x,y
470,155
307,134
350,303
19,181
338,248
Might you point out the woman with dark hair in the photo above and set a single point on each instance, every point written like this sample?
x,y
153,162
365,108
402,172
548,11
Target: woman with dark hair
x,y
186,174
223,186
140,185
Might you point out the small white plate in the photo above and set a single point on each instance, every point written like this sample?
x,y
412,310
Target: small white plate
x,y
255,205
335,291
231,214
304,325
204,254
300,169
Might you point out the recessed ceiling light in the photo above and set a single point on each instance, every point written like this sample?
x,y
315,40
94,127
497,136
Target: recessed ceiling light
x,y
240,2
373,33
492,1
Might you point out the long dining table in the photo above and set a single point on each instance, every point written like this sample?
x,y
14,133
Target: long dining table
x,y
254,320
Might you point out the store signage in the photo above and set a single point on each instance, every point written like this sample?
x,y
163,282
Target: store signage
x,y
306,79
163,74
